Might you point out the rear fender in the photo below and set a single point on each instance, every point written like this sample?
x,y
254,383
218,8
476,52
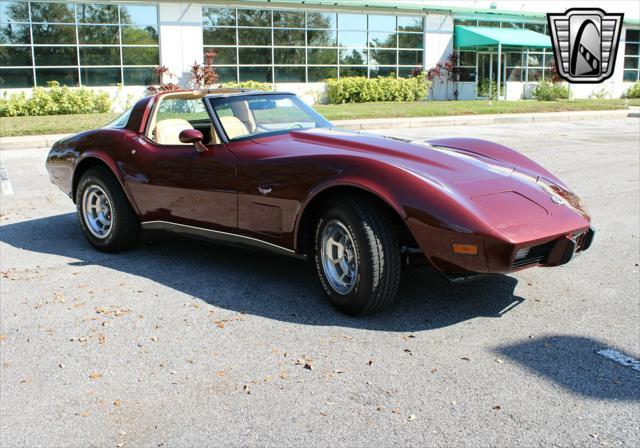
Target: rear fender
x,y
112,165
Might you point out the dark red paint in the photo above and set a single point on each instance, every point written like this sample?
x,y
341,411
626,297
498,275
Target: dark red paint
x,y
446,191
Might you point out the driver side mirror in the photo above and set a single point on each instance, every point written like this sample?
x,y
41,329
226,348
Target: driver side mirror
x,y
193,136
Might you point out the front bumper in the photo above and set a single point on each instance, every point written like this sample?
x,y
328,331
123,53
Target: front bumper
x,y
497,254
555,252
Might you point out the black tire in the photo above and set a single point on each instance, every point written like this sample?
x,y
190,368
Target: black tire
x,y
125,226
377,249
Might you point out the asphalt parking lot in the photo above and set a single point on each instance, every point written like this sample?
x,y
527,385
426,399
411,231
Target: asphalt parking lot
x,y
183,343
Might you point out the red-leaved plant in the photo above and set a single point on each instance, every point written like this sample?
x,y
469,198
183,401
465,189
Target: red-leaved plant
x,y
445,72
554,76
204,76
164,80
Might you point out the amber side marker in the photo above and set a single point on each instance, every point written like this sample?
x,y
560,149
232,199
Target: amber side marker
x,y
465,249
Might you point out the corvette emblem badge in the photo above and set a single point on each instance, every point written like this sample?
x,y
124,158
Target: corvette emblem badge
x,y
585,43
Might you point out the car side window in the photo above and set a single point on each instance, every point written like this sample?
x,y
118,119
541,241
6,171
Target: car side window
x,y
186,109
253,115
174,115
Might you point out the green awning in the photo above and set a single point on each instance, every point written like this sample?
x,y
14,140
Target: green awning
x,y
481,36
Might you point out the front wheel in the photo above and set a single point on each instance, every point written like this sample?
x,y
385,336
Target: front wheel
x,y
357,255
104,212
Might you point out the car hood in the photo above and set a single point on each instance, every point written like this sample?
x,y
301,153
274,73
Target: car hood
x,y
492,186
446,165
466,170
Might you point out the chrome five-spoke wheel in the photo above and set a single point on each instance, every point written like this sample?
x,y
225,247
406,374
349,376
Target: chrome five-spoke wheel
x,y
97,211
339,258
357,253
105,214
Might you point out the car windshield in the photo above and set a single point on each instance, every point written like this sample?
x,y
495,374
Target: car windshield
x,y
250,116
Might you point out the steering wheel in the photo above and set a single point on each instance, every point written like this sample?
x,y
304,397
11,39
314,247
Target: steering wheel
x,y
296,126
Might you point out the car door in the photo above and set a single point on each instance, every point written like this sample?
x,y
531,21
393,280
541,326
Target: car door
x,y
176,183
268,191
272,175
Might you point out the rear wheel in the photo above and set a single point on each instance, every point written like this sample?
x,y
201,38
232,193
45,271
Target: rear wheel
x,y
104,212
357,255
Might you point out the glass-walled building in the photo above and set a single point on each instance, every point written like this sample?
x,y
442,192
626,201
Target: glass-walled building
x,y
310,46
77,44
294,44
516,60
632,55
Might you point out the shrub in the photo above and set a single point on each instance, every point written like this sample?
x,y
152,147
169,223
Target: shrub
x,y
601,94
634,90
54,100
548,91
253,85
359,89
485,86
14,105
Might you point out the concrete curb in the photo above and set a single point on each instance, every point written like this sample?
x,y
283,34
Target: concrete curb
x,y
461,120
46,141
30,141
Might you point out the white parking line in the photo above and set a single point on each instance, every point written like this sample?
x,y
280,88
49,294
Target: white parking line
x,y
5,183
618,357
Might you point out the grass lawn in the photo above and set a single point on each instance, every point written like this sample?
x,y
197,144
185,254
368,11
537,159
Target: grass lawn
x,y
442,108
53,124
66,124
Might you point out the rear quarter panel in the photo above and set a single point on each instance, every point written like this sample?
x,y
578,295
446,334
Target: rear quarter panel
x,y
112,147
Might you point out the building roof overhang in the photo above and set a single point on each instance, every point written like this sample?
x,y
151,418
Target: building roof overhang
x,y
406,7
480,36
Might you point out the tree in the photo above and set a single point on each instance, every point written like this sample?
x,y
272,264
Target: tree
x,y
354,58
319,34
90,13
17,12
379,53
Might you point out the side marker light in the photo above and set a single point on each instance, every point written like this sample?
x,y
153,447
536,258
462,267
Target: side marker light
x,y
465,249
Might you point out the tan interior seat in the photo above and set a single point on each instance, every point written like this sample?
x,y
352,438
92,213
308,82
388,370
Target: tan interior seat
x,y
167,131
242,112
232,126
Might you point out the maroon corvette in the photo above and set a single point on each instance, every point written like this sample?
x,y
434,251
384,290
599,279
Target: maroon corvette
x,y
265,169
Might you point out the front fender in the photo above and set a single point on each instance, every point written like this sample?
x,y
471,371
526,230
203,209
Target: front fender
x,y
423,204
350,181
